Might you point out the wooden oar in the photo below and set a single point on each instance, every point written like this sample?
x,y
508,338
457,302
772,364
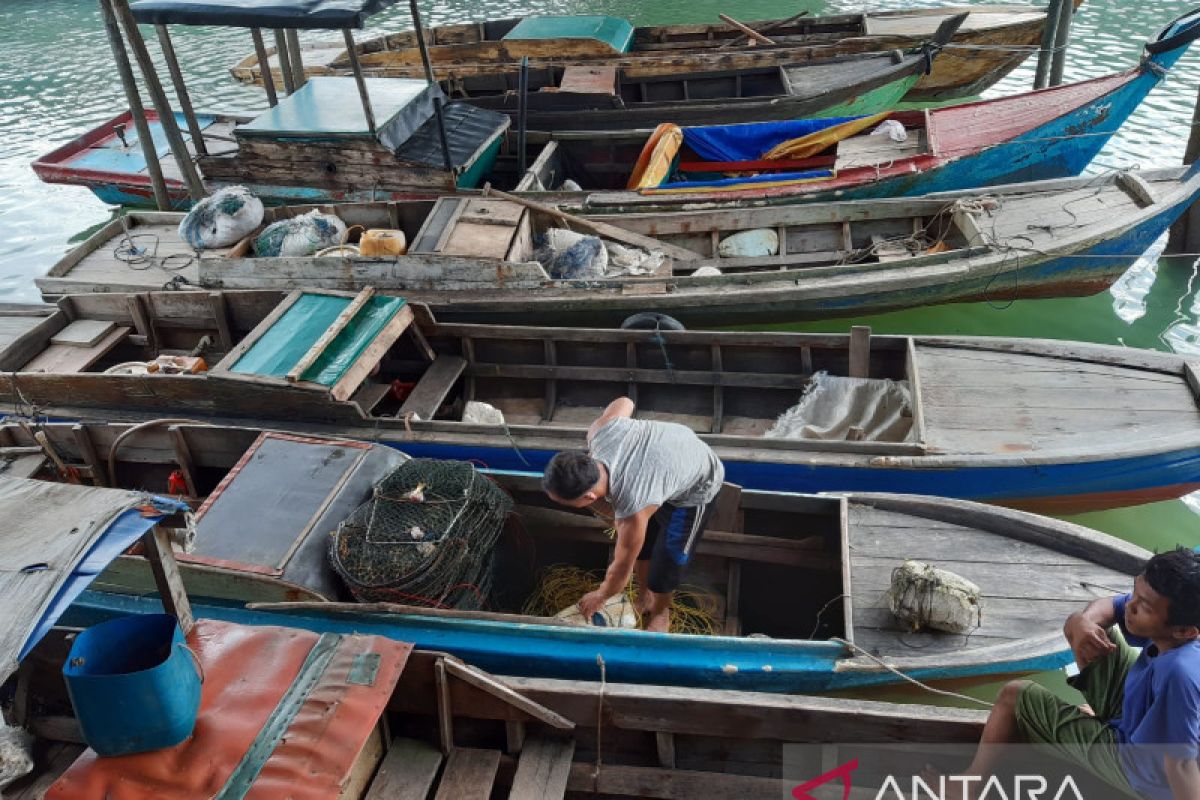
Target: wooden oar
x,y
598,228
746,29
776,24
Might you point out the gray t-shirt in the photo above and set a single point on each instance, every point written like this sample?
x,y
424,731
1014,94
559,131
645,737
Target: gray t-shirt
x,y
651,463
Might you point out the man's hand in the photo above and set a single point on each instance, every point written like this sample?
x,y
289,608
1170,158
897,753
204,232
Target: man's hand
x,y
590,603
1088,640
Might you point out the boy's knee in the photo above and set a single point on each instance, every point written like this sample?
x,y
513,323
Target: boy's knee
x,y
1011,693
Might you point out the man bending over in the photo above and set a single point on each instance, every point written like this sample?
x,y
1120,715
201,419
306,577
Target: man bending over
x,y
659,481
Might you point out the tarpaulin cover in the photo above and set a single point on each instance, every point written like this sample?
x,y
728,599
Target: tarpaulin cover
x,y
329,107
286,342
750,141
57,538
311,14
751,180
617,33
283,713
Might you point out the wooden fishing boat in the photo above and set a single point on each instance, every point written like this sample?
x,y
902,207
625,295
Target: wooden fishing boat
x,y
586,98
1011,421
993,41
762,547
474,259
1037,135
1050,133
389,714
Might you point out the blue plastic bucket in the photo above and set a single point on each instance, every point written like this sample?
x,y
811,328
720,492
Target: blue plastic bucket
x,y
134,684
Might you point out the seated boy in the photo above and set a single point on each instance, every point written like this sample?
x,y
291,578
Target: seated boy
x,y
1140,729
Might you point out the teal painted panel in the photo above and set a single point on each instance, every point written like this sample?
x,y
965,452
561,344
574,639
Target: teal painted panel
x,y
278,350
331,106
614,31
109,155
474,174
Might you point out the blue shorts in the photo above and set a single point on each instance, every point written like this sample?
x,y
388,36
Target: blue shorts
x,y
671,537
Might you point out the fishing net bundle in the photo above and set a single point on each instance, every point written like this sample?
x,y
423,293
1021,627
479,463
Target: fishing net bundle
x,y
221,219
560,587
927,597
300,236
426,537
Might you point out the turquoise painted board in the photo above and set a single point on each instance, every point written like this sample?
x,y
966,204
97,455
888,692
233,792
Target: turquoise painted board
x,y
286,342
331,106
109,155
614,31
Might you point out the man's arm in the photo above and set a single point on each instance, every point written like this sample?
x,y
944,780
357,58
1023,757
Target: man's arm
x,y
621,407
631,534
1183,776
1087,631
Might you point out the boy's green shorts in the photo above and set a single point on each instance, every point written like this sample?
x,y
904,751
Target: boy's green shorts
x,y
1074,736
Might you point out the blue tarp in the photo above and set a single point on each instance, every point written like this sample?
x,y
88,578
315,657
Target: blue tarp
x,y
749,141
748,179
306,14
121,534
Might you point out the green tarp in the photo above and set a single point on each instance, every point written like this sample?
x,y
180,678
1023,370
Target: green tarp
x,y
616,32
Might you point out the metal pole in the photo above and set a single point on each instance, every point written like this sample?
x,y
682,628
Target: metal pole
x,y
1046,53
285,69
522,111
358,78
264,66
294,58
136,110
166,117
1061,37
437,102
185,102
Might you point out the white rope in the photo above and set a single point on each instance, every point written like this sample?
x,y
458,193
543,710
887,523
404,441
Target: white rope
x,y
913,681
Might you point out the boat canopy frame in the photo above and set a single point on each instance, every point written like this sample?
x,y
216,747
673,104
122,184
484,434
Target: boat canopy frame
x,y
285,17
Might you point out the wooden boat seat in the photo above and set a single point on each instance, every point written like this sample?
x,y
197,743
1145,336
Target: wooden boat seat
x,y
433,388
476,227
469,774
589,80
543,768
869,151
407,772
69,352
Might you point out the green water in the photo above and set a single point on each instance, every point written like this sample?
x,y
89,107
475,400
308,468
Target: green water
x,y
56,81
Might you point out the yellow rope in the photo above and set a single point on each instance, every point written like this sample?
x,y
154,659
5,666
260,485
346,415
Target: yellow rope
x,y
693,610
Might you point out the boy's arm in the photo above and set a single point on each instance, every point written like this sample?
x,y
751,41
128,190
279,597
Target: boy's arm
x,y
621,407
1183,776
1087,631
631,534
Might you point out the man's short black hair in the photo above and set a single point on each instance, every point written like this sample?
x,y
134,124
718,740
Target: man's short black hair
x,y
570,473
1176,576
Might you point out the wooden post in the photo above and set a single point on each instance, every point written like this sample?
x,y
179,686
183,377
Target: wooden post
x,y
1046,53
419,32
295,61
185,102
1185,233
166,117
167,577
860,351
136,110
356,68
285,69
1061,36
264,66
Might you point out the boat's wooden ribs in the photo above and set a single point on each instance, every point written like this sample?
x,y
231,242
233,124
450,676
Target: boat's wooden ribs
x,y
551,383
718,391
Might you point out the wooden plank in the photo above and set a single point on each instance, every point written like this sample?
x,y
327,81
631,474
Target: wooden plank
x,y
445,710
543,769
166,576
551,390
733,600
364,767
407,772
718,416
847,601
325,339
915,392
1192,375
63,358
481,680
83,440
625,374
370,356
136,308
183,457
654,782
433,387
664,743
220,311
469,774
602,229
83,333
860,351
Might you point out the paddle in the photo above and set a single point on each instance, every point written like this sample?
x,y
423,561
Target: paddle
x,y
599,228
746,29
777,24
